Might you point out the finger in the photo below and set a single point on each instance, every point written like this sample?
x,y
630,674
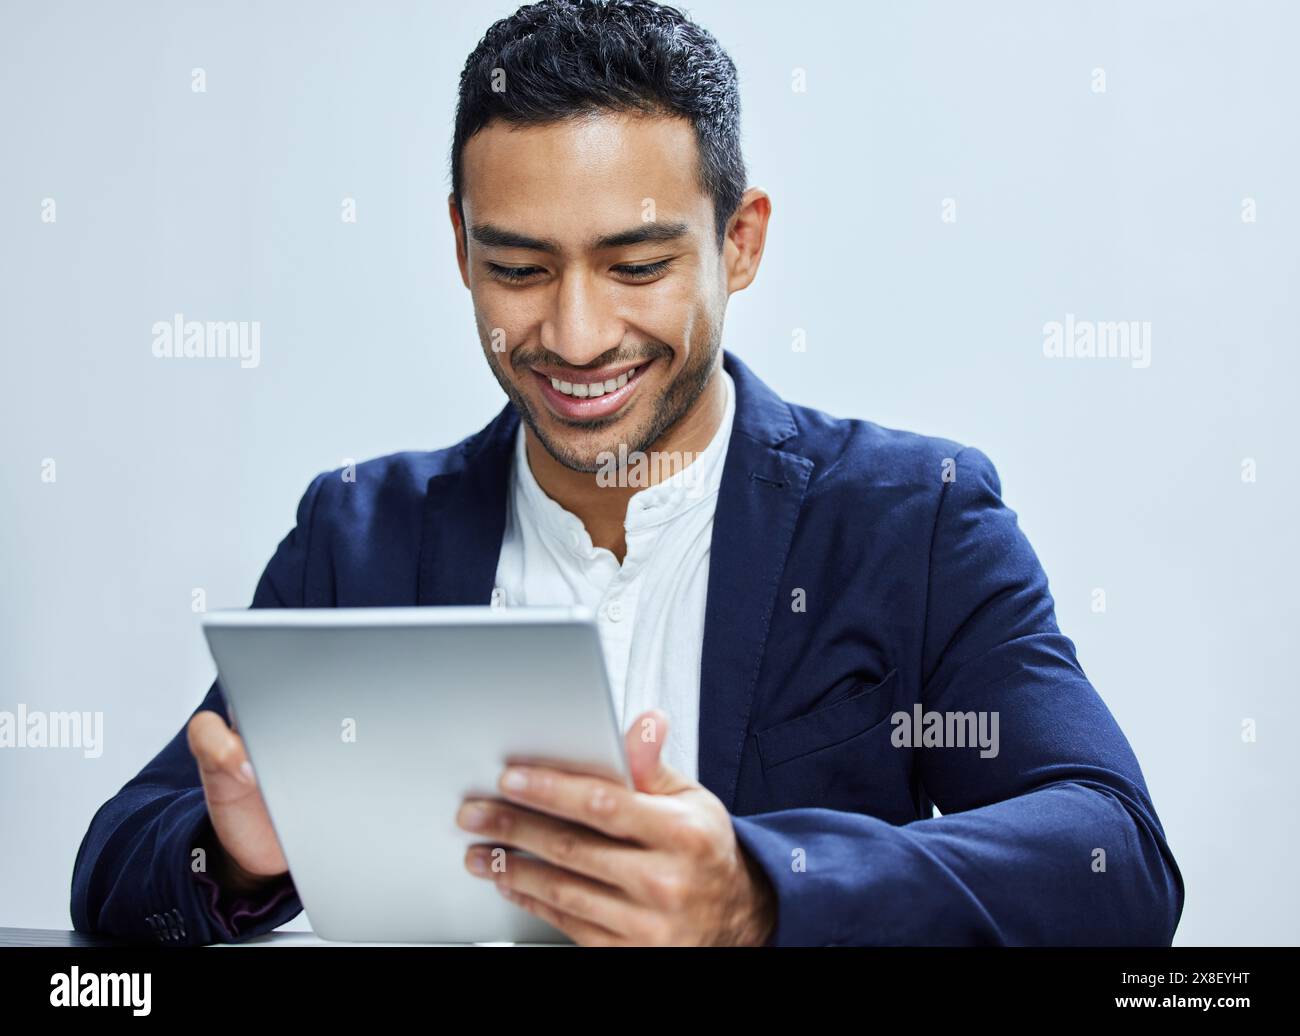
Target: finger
x,y
217,749
643,744
622,813
582,932
569,894
570,846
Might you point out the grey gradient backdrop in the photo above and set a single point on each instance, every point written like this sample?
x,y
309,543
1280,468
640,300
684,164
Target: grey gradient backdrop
x,y
225,205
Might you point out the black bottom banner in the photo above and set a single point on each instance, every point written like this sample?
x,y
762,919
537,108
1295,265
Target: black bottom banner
x,y
336,982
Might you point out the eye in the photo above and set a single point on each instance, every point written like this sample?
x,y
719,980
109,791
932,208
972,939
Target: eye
x,y
644,272
512,274
634,272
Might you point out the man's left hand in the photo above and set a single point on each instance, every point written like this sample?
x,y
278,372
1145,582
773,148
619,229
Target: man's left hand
x,y
657,864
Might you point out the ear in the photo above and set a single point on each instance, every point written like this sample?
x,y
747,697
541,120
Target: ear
x,y
458,229
742,248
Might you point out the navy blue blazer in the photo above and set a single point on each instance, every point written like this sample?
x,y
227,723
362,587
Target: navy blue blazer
x,y
856,572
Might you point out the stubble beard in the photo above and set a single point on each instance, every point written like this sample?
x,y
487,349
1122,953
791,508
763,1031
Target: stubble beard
x,y
668,408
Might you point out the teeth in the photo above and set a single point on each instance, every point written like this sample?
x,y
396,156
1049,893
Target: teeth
x,y
596,388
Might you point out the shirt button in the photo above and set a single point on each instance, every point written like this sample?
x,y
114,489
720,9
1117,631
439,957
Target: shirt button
x,y
614,611
498,597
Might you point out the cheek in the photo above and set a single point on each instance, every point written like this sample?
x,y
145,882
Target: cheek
x,y
677,316
503,324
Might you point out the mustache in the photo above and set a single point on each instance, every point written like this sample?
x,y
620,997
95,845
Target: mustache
x,y
524,358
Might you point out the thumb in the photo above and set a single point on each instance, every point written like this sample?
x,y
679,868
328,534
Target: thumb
x,y
643,743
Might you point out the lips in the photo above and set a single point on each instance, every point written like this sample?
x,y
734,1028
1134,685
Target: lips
x,y
576,407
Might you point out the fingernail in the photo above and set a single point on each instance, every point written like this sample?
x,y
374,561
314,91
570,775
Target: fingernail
x,y
472,817
478,863
246,772
515,780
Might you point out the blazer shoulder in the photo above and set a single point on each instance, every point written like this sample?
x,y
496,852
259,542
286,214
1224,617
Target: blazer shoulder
x,y
381,487
866,453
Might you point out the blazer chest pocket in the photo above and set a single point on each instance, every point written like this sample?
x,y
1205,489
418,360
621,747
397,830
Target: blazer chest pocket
x,y
829,725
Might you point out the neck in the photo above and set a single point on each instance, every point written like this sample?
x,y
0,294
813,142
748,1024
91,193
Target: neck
x,y
603,508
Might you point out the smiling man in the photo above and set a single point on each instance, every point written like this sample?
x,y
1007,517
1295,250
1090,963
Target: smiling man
x,y
773,615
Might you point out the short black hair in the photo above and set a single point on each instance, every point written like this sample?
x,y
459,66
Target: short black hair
x,y
558,59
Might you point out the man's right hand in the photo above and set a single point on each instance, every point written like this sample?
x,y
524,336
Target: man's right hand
x,y
253,857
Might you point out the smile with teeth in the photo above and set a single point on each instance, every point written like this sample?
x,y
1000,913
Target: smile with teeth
x,y
585,390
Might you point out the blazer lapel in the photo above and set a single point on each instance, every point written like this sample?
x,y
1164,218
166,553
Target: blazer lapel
x,y
758,504
465,518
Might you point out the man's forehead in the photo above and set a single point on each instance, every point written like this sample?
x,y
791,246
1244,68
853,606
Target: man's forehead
x,y
585,178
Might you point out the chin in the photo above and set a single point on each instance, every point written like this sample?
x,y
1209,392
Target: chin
x,y
586,450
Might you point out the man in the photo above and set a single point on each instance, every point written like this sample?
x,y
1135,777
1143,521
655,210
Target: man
x,y
817,629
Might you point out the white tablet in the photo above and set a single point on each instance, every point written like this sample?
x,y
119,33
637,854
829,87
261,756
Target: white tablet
x,y
368,726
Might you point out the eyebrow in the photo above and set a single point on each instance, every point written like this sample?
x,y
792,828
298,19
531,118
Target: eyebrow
x,y
499,237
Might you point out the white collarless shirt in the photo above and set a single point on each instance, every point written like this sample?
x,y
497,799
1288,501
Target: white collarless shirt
x,y
650,609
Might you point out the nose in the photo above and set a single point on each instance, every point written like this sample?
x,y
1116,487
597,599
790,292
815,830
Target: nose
x,y
582,324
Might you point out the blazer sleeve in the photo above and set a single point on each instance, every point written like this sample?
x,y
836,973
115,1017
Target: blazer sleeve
x,y
135,874
1052,841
